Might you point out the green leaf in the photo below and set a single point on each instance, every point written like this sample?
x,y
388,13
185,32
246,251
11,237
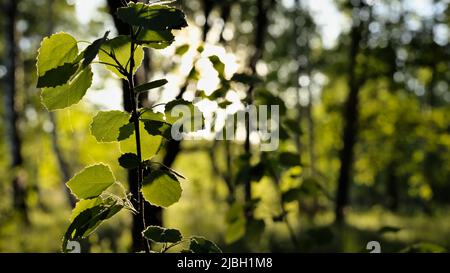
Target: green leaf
x,y
89,219
147,114
149,144
57,76
150,85
92,50
153,17
155,39
83,205
119,48
162,235
218,65
55,60
91,181
129,161
63,96
126,131
158,128
161,188
181,50
106,125
201,245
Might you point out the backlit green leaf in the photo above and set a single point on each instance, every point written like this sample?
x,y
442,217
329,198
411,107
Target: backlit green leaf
x,y
83,205
92,50
55,60
117,52
150,85
154,17
148,114
63,96
106,125
201,245
155,39
162,235
91,181
149,144
89,219
161,188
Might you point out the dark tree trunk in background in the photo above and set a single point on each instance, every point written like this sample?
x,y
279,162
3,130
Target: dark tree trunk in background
x,y
63,166
11,115
261,23
392,188
350,121
208,6
153,215
173,147
224,14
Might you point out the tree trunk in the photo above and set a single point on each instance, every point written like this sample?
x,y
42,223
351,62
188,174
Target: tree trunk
x,y
11,115
173,147
262,22
208,5
392,188
350,119
63,166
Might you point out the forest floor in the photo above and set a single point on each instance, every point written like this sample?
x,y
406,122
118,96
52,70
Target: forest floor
x,y
47,227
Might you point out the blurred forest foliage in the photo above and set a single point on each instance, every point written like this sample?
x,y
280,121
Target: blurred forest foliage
x,y
365,142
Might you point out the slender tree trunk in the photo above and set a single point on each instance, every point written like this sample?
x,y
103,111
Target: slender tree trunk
x,y
299,107
208,6
350,119
173,147
63,166
392,188
224,14
262,22
11,115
